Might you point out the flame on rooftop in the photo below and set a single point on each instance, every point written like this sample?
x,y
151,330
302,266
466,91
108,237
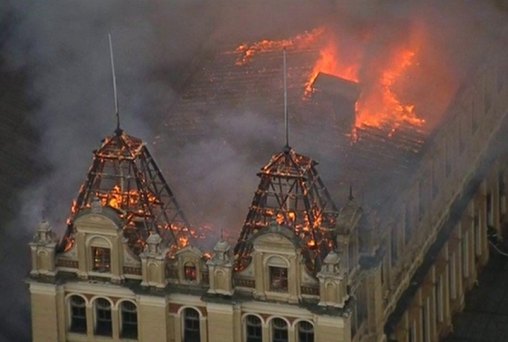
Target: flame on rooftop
x,y
381,102
124,177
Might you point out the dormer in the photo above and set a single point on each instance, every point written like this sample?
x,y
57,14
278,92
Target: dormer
x,y
123,200
278,266
99,242
189,263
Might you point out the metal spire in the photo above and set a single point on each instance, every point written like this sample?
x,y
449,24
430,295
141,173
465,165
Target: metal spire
x,y
118,130
351,197
286,123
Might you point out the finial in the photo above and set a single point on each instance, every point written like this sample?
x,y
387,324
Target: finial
x,y
351,197
221,234
118,130
286,123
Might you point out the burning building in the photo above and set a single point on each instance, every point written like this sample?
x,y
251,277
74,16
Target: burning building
x,y
385,251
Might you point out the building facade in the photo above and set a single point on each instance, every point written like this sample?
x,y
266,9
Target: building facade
x,y
129,266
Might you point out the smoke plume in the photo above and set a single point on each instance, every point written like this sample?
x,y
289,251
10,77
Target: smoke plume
x,y
62,49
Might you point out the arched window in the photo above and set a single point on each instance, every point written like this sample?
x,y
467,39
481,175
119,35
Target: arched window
x,y
189,271
78,314
253,329
129,320
101,259
305,332
278,278
103,317
279,330
191,326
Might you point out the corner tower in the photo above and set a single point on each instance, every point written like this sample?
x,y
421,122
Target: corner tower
x,y
298,250
124,177
291,194
124,232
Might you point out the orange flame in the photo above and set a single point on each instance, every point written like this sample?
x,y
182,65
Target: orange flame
x,y
330,63
183,241
246,52
379,103
382,104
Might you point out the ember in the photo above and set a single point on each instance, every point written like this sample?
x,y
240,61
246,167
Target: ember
x,y
125,177
246,52
292,195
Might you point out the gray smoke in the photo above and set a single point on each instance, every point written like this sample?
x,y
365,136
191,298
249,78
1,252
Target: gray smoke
x,y
62,48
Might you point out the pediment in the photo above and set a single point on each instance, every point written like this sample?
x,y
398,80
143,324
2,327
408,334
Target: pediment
x,y
189,252
274,241
95,222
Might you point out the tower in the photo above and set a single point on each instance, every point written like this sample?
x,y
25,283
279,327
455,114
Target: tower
x,y
292,194
297,249
125,229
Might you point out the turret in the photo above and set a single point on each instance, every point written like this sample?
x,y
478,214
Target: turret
x,y
220,269
43,249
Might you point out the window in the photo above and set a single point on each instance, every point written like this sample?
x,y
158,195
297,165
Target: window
x,y
412,332
440,299
305,332
452,276
278,278
253,329
501,192
279,330
78,314
191,326
129,320
490,211
103,317
101,259
477,233
189,271
465,254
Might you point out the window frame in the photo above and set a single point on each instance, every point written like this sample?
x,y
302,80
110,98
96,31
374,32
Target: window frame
x,y
101,259
73,316
128,326
305,335
190,271
278,274
195,327
275,331
258,328
103,317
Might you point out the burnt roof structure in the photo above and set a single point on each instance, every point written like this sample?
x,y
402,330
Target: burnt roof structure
x,y
125,177
292,194
222,87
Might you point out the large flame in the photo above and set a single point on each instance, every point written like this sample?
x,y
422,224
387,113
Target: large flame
x,y
380,102
329,63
